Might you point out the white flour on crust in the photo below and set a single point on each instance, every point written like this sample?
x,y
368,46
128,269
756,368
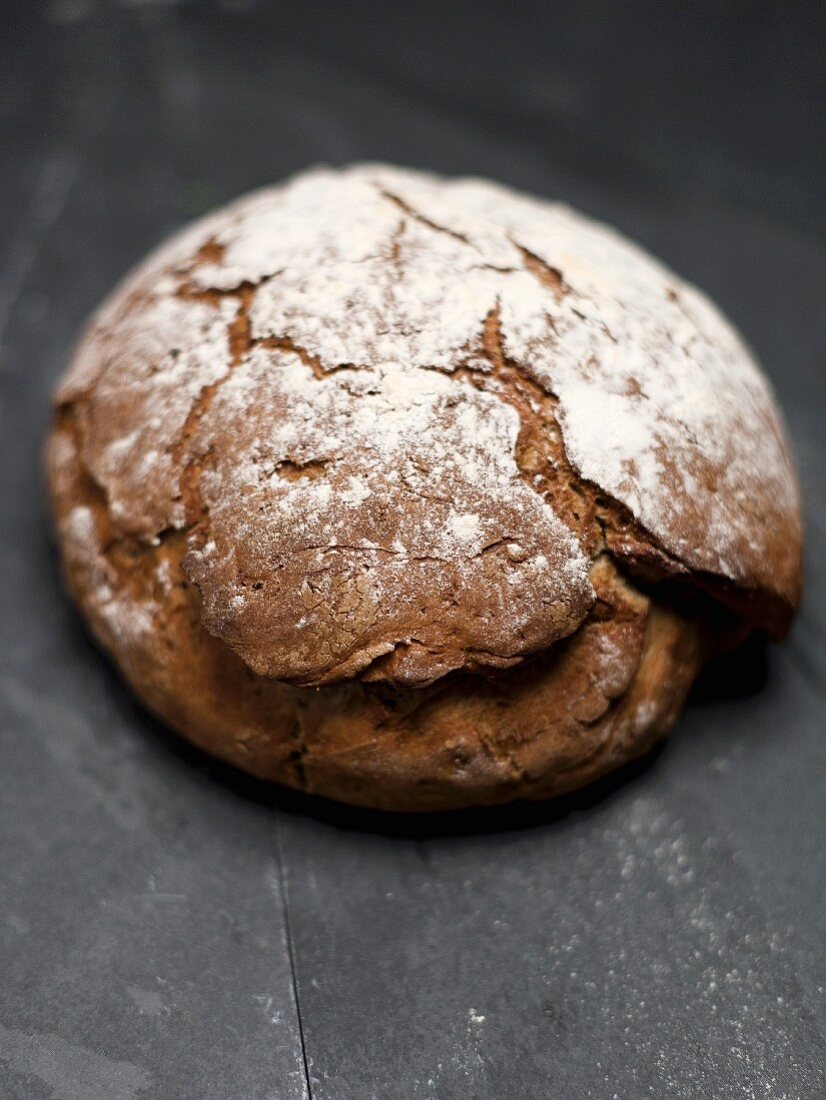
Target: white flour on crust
x,y
366,288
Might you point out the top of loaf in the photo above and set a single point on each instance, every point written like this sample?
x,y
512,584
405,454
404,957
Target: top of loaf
x,y
401,416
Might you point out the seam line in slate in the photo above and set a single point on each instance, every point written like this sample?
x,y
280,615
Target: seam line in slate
x,y
282,886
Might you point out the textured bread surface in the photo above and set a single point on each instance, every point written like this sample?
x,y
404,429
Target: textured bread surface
x,y
415,493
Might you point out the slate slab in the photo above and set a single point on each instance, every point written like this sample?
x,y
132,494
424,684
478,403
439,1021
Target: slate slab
x,y
170,929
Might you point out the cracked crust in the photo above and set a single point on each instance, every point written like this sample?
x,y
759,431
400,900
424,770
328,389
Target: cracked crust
x,y
376,432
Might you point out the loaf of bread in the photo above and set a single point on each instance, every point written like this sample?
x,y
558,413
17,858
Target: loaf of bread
x,y
418,493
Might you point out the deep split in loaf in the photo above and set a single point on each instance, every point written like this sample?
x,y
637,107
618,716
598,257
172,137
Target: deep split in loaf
x,y
418,493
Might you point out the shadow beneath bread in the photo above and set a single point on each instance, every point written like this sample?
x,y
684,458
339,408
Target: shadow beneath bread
x,y
468,822
739,674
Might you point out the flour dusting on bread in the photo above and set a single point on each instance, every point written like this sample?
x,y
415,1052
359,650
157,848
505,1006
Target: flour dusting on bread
x,y
305,382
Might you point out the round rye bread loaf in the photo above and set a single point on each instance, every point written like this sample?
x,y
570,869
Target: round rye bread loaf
x,y
418,493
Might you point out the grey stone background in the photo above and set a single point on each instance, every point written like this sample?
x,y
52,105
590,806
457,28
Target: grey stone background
x,y
170,929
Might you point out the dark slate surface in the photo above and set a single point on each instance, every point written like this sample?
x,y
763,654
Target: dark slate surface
x,y
169,929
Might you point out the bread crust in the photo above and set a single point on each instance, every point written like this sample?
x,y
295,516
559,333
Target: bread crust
x,y
417,582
